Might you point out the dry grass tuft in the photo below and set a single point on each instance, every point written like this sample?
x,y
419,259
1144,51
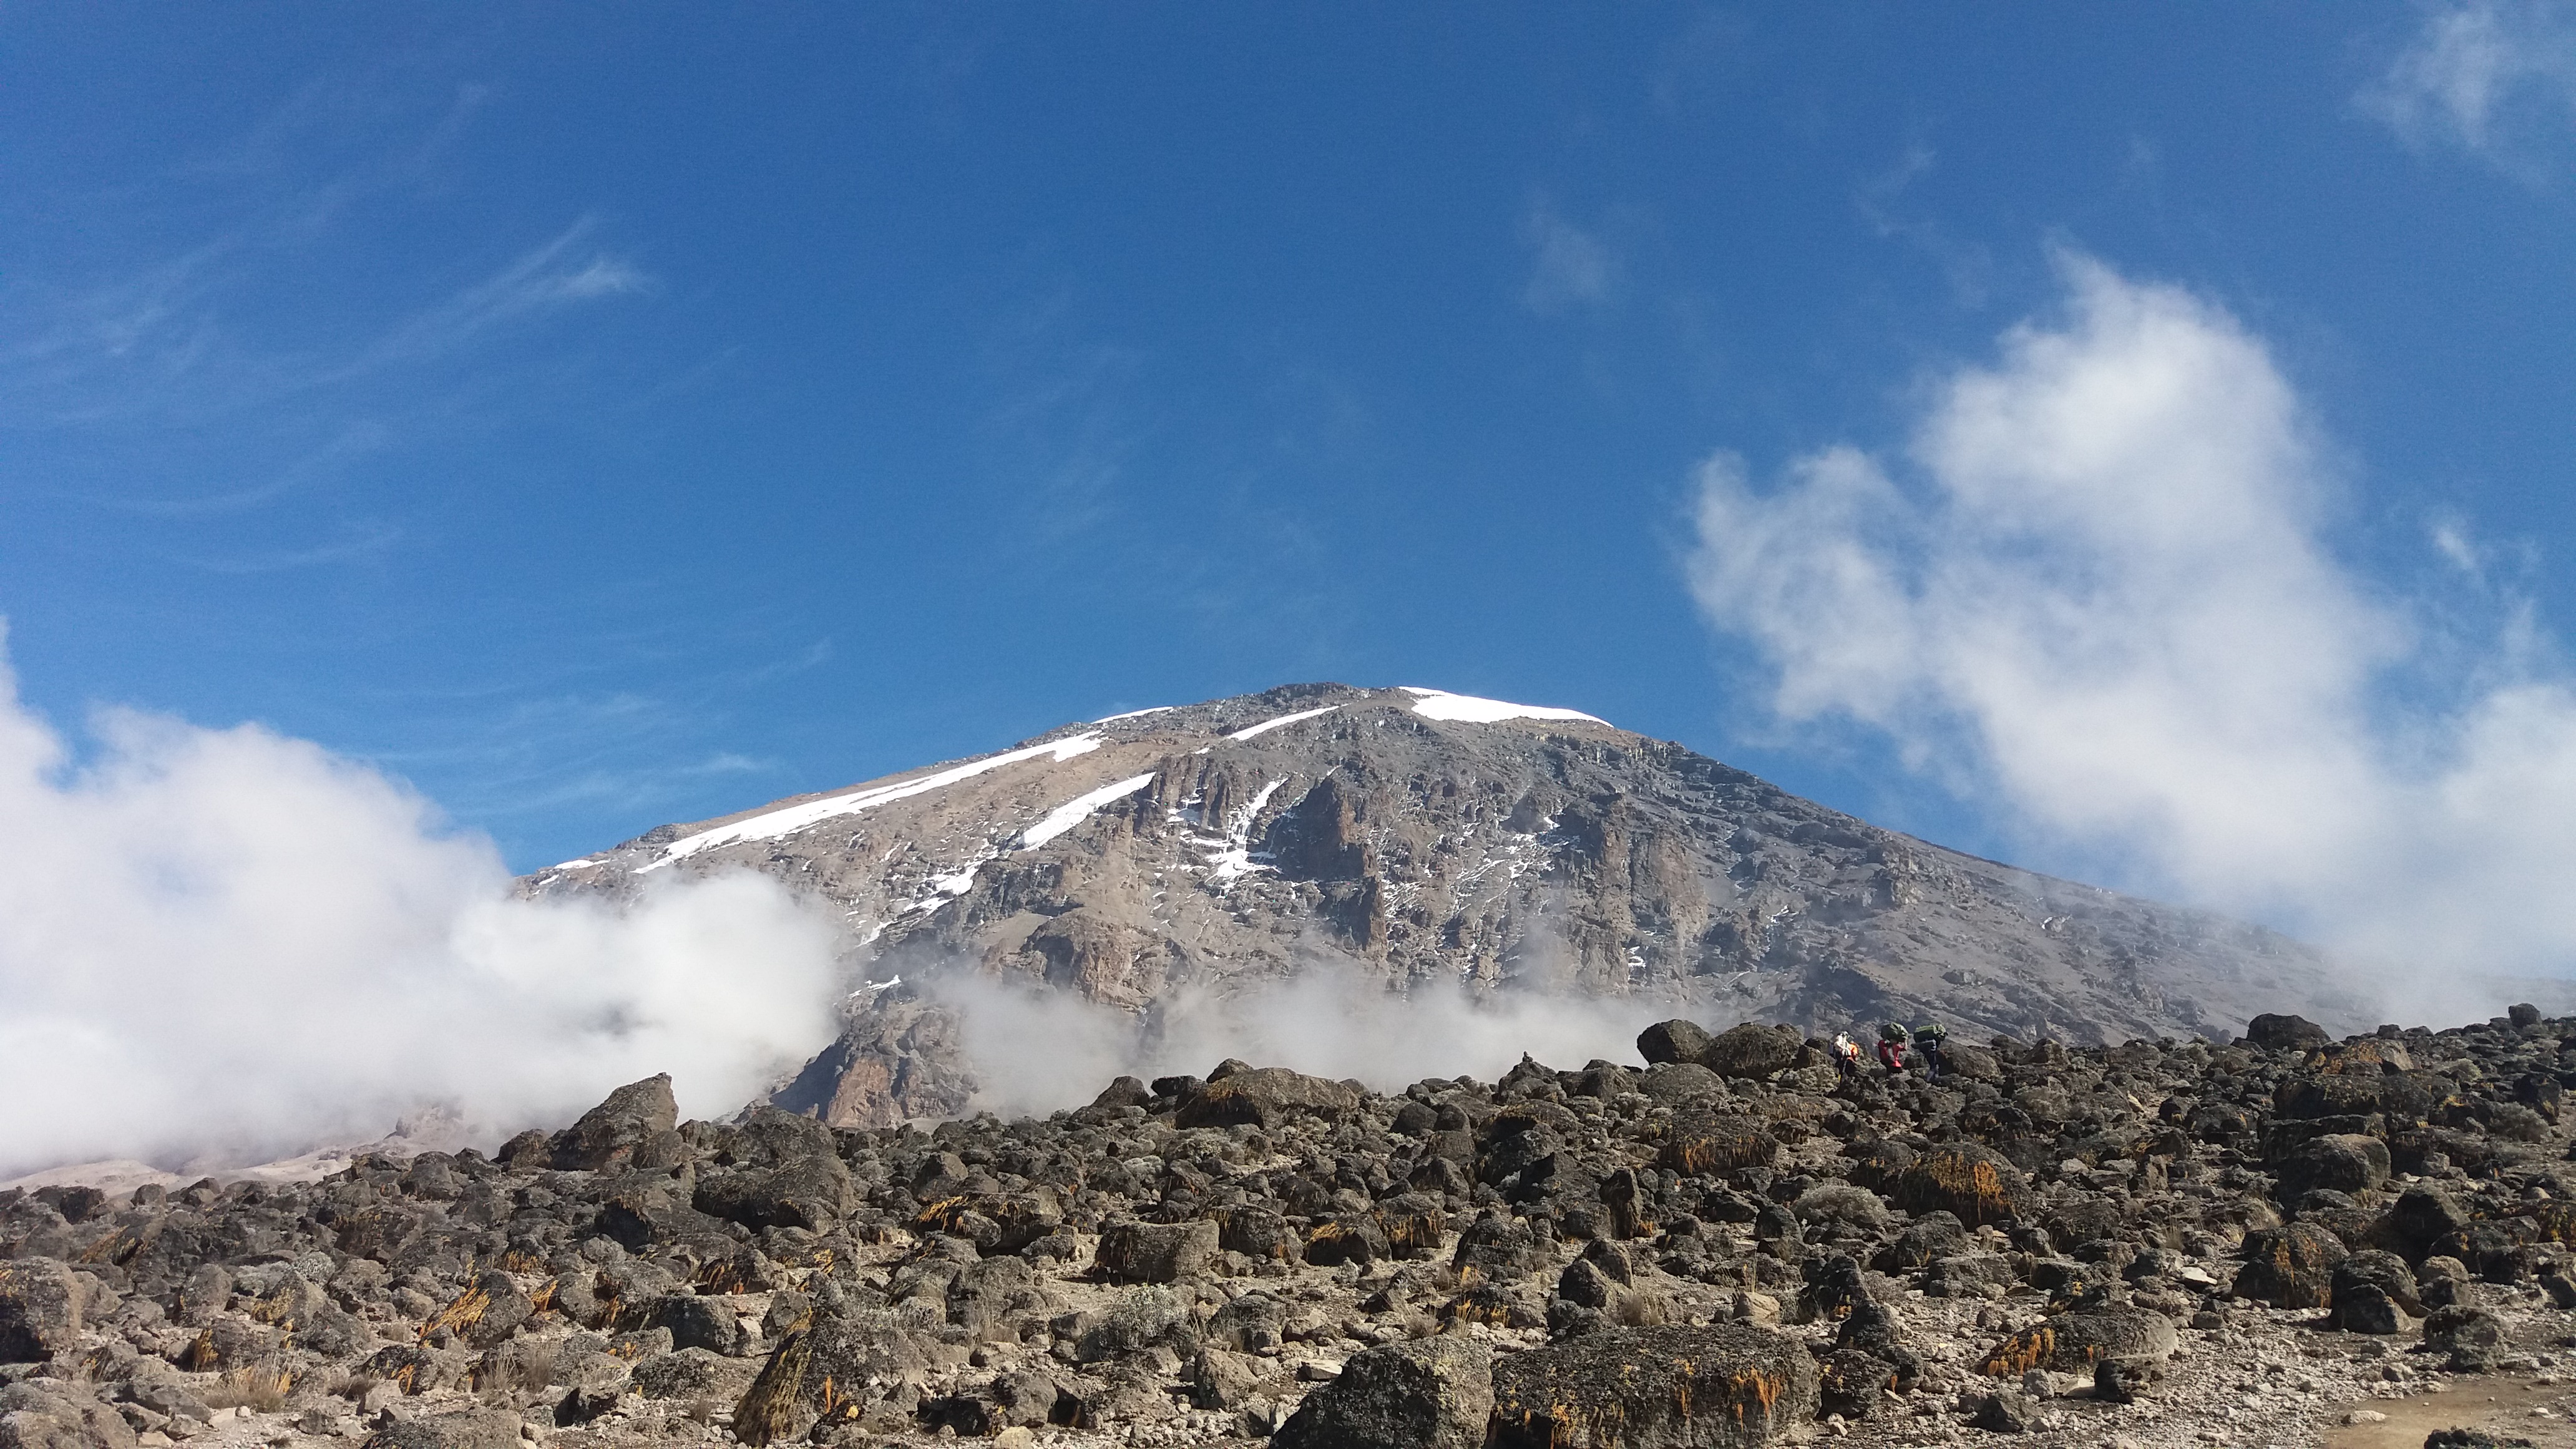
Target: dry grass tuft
x,y
256,1387
1641,1309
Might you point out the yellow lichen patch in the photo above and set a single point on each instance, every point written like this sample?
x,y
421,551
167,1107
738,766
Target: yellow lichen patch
x,y
767,1410
1226,1218
1410,1234
2554,1221
1693,1148
115,1247
456,1317
941,1216
724,1275
2370,1057
1970,1186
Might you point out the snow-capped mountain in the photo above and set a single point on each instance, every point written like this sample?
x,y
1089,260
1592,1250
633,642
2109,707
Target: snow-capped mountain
x,y
1424,837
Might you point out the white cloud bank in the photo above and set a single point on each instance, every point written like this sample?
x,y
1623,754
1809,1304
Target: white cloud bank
x,y
2481,74
232,942
2096,592
1037,1050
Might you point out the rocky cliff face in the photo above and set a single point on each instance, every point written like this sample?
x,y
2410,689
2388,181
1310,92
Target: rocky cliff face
x,y
1427,840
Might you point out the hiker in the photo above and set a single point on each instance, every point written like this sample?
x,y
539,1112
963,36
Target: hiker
x,y
1931,1038
1848,1058
1892,1037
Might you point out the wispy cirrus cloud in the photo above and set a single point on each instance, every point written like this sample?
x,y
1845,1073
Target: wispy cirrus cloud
x,y
2493,77
2097,592
563,272
1571,266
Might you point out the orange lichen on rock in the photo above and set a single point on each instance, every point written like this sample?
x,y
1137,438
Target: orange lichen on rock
x,y
460,1315
767,1410
2029,1349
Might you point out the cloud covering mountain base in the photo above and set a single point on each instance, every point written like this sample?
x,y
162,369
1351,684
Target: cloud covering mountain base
x,y
232,942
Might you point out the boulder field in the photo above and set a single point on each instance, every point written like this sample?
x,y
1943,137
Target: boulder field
x,y
1726,1243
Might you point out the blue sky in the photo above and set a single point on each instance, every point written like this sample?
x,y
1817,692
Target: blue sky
x,y
604,417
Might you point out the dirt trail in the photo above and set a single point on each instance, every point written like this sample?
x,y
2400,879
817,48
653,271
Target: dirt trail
x,y
2541,1410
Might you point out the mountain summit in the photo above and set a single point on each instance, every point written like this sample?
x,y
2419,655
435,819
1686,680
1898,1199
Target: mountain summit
x,y
1429,839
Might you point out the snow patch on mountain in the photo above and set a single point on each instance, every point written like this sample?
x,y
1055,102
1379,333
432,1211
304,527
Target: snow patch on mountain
x,y
1073,812
1235,859
1441,704
775,823
1266,726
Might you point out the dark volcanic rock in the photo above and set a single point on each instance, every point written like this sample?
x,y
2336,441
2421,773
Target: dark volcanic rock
x,y
1265,1096
1970,1181
1111,1270
2372,1291
2290,1267
2075,1342
2273,1032
612,1132
1752,1051
1428,1393
1156,1252
42,1303
1655,1388
811,1192
1672,1041
48,1414
2342,1162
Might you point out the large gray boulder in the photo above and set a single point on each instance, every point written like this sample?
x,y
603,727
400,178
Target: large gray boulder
x,y
2277,1031
2340,1161
811,1192
43,1306
2290,1267
1132,1252
827,1369
2120,1333
1145,1319
1730,1386
464,1429
1968,1180
611,1133
1424,1393
50,1414
1672,1041
1265,1097
1752,1051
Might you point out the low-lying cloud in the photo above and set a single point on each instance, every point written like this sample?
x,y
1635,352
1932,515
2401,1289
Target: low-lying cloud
x,y
231,943
2095,593
1035,1050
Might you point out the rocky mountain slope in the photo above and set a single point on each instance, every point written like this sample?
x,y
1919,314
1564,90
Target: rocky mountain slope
x,y
1428,841
1718,1241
